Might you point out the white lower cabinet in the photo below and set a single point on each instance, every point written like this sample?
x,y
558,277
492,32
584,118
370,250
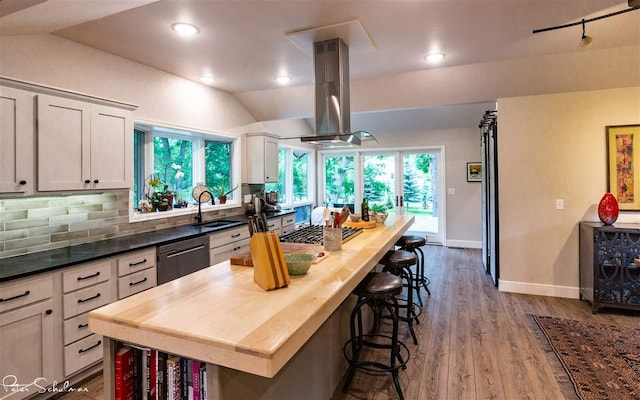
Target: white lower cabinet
x,y
44,330
288,224
27,340
86,287
227,243
82,353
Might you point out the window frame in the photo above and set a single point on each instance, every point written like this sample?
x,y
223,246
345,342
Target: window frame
x,y
311,176
198,138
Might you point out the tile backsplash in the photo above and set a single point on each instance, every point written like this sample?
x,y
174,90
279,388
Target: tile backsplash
x,y
32,224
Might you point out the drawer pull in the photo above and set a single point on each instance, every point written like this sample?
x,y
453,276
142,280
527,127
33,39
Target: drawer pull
x,y
137,283
137,263
236,235
81,278
82,326
90,298
90,347
49,312
271,226
23,182
26,293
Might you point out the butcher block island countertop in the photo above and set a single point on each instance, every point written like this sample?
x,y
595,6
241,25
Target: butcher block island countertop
x,y
220,316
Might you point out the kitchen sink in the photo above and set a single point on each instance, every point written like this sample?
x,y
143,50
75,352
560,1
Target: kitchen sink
x,y
217,223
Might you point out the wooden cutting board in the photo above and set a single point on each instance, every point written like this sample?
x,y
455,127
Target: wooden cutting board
x,y
360,224
244,259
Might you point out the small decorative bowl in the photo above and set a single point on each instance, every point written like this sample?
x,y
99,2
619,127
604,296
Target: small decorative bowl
x,y
354,217
298,263
381,217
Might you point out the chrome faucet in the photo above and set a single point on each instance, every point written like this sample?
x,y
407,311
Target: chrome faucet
x,y
199,215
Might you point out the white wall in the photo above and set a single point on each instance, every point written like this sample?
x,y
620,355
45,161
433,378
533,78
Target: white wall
x,y
552,147
50,60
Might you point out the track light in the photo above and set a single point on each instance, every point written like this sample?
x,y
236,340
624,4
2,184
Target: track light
x,y
585,41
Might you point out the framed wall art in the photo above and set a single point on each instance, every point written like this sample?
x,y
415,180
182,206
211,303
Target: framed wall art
x,y
474,172
623,163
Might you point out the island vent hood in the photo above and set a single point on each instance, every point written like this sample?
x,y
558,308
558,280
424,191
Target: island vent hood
x,y
332,108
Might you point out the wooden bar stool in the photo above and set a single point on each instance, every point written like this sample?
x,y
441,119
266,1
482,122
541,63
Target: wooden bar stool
x,y
399,262
413,244
378,290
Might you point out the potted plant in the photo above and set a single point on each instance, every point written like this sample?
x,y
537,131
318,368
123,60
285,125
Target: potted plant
x,y
158,193
221,192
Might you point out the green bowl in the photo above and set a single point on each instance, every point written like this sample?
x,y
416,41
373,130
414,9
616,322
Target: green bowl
x,y
298,263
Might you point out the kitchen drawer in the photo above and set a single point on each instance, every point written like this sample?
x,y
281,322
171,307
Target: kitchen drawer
x,y
82,354
228,236
288,229
224,253
76,328
23,292
288,220
136,261
86,299
137,282
87,275
274,224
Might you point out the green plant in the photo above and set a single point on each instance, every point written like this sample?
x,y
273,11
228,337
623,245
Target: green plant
x,y
379,208
220,190
155,188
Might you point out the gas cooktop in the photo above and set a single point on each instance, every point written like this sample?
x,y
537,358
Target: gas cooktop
x,y
313,235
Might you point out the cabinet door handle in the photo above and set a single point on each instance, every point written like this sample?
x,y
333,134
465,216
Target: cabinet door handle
x,y
26,293
137,263
90,298
81,278
90,347
82,326
87,181
96,181
137,283
23,182
236,235
49,312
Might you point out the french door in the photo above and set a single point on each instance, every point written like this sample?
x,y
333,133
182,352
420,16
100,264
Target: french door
x,y
405,182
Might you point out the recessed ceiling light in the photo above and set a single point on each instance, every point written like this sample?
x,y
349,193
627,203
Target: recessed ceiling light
x,y
185,29
283,79
434,57
208,79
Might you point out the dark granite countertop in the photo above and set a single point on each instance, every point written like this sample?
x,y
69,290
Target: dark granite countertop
x,y
35,263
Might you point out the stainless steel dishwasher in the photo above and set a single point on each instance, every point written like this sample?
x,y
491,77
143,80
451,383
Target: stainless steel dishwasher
x,y
182,258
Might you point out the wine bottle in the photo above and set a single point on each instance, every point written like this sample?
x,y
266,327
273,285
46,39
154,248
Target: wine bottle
x,y
365,208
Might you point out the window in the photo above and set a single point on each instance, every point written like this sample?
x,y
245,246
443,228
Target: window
x,y
339,181
170,162
217,156
295,180
173,164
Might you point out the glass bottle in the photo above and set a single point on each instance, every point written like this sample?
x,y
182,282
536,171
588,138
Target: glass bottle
x,y
365,208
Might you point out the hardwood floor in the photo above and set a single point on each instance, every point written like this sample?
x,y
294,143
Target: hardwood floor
x,y
474,342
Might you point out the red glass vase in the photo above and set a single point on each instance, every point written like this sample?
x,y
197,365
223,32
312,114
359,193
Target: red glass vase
x,y
608,209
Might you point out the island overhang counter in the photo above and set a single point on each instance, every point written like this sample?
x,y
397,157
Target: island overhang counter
x,y
218,315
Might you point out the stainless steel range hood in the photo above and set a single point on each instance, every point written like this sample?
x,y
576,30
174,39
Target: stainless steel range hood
x,y
332,114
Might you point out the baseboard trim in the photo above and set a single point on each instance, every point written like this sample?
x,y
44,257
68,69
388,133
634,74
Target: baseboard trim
x,y
466,244
537,289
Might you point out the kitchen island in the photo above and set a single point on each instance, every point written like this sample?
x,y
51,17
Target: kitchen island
x,y
258,344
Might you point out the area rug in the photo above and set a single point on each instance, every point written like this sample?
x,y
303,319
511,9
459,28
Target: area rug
x,y
602,361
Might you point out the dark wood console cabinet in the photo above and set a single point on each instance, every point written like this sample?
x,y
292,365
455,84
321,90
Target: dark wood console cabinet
x,y
609,275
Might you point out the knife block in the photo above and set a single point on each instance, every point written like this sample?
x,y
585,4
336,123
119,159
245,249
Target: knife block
x,y
269,268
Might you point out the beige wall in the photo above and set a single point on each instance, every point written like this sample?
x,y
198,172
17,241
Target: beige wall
x,y
552,147
162,97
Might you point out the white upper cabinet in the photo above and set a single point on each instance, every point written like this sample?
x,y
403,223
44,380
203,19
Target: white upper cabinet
x,y
16,141
82,145
262,158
